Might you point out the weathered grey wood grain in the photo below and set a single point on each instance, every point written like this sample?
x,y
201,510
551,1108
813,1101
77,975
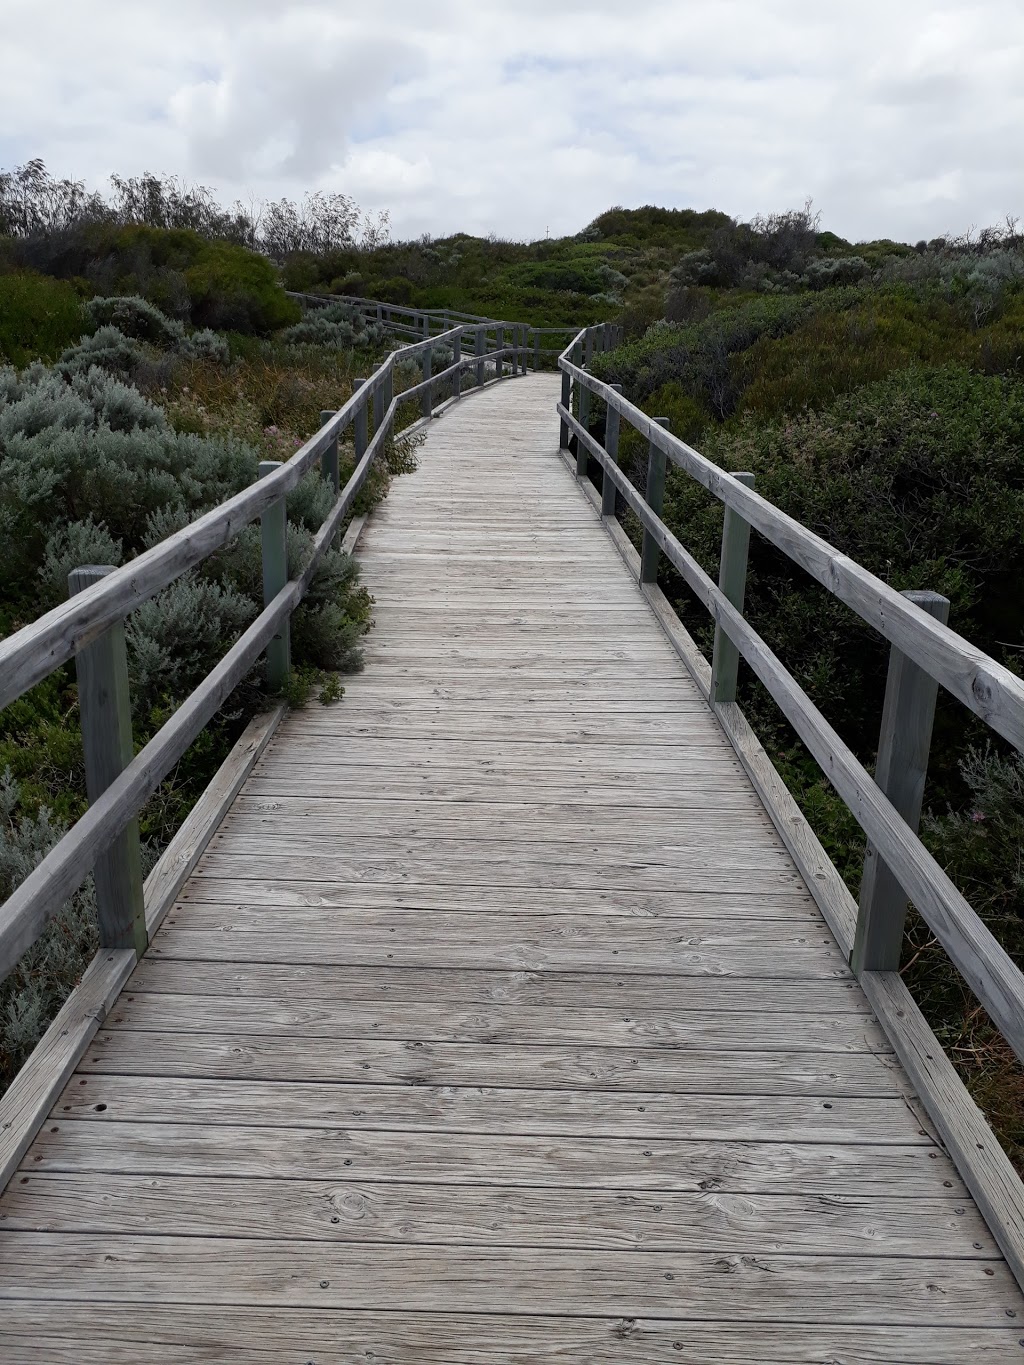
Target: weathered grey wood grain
x,y
823,1118
731,1031
908,713
542,1066
318,983
104,704
145,1334
694,1285
496,1214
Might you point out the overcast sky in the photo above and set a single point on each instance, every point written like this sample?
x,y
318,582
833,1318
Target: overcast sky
x,y
900,118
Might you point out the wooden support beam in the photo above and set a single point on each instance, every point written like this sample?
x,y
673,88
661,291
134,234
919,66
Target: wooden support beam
x,y
105,707
426,404
584,420
329,459
359,423
611,445
656,465
908,713
732,579
563,428
274,536
457,359
481,347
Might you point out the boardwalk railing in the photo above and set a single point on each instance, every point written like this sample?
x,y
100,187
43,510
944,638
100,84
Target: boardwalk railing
x,y
925,653
89,626
526,344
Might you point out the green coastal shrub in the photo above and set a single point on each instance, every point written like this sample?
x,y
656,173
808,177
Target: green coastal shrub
x,y
39,317
338,325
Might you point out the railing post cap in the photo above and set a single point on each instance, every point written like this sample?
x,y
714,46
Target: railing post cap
x,y
87,574
932,602
268,467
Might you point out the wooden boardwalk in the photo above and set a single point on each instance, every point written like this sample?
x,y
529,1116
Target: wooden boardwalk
x,y
497,1024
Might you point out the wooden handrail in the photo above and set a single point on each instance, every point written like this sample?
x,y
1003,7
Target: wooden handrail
x,y
990,690
31,654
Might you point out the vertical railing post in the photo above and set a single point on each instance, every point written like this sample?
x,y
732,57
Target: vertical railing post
x,y
106,718
655,499
732,579
274,536
563,425
611,445
588,348
329,459
481,347
426,325
378,407
388,388
908,714
359,423
457,360
425,397
582,454
514,339
499,346
536,349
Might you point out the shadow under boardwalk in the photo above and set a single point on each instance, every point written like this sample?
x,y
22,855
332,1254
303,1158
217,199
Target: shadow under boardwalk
x,y
496,1024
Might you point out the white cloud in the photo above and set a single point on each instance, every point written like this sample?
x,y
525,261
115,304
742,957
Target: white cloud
x,y
898,120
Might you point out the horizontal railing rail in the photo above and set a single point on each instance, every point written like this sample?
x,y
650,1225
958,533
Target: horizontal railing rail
x,y
925,653
88,627
420,322
985,686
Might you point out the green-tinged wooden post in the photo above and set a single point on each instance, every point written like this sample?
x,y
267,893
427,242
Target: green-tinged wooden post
x,y
732,579
582,454
274,534
655,499
481,347
457,360
329,459
563,425
359,423
611,445
426,325
105,711
903,744
425,397
588,349
378,407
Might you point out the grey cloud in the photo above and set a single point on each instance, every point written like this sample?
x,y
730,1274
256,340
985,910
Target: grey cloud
x,y
900,120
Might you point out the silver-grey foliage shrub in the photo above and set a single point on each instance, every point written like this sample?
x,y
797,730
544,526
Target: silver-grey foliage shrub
x,y
136,317
337,325
81,445
68,547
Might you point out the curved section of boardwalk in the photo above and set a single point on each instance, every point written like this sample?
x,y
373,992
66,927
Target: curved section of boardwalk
x,y
496,1024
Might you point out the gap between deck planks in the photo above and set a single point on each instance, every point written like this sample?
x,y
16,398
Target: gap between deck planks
x,y
495,975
